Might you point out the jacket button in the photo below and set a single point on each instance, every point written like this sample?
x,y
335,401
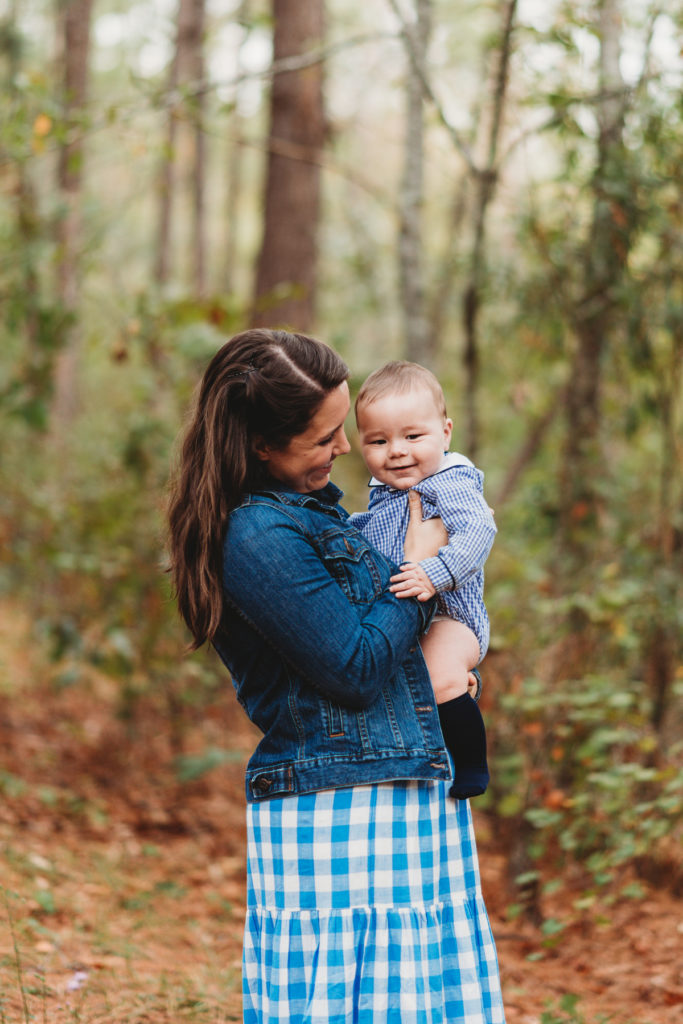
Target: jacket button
x,y
263,784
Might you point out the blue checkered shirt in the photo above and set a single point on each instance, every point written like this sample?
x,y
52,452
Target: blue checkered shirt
x,y
455,494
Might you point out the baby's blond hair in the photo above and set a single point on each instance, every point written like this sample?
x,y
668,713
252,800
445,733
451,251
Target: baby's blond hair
x,y
398,377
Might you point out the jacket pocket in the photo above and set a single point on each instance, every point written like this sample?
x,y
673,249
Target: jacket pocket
x,y
333,720
351,561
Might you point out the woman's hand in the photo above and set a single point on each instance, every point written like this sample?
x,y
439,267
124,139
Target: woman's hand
x,y
423,537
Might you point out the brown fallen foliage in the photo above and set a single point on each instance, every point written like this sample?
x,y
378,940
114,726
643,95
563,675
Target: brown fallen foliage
x,y
122,890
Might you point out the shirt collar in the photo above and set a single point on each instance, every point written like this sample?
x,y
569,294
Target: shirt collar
x,y
451,459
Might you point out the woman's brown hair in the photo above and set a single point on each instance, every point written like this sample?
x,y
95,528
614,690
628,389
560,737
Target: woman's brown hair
x,y
261,384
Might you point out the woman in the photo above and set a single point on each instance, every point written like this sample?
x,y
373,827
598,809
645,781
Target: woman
x,y
363,891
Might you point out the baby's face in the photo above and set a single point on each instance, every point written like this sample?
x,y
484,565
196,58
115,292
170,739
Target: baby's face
x,y
403,437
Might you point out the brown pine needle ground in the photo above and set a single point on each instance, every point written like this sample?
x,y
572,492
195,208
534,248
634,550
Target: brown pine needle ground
x,y
122,891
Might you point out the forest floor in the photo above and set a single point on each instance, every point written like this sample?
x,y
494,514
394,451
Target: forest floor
x,y
122,890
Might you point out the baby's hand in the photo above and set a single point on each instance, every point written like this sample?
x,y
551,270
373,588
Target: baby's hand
x,y
412,581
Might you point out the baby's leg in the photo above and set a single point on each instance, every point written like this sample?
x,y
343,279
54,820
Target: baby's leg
x,y
451,650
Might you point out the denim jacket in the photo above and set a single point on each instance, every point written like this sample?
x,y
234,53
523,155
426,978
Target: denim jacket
x,y
324,659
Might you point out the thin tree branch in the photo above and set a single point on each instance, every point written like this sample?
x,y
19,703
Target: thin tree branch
x,y
421,73
298,62
556,119
501,82
294,151
536,434
645,73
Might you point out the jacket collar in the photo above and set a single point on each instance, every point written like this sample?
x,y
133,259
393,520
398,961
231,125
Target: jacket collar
x,y
329,495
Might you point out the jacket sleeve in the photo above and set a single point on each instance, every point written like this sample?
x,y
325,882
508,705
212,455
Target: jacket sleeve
x,y
470,526
276,580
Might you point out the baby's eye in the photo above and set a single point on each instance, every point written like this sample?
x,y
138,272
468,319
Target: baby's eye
x,y
379,440
413,437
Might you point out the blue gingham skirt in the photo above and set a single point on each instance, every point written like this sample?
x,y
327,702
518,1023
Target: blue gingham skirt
x,y
364,906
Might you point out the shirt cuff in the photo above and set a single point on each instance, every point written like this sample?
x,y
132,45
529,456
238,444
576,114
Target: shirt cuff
x,y
439,574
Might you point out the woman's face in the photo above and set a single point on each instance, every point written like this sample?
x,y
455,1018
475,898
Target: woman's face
x,y
306,463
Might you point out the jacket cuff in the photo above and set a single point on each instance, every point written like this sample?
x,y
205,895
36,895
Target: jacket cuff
x,y
427,611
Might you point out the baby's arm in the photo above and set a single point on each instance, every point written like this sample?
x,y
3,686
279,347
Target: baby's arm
x,y
471,530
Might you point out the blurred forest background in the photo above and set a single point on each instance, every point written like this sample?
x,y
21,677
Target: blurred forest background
x,y
490,188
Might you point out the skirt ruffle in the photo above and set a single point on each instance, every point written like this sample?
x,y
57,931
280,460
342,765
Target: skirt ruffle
x,y
364,906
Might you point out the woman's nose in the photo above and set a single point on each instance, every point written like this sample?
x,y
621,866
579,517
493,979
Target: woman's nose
x,y
342,446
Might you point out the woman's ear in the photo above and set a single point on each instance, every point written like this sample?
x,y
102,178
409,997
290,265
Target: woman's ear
x,y
260,449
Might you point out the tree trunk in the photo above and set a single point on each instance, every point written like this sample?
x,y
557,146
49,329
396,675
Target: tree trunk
x,y
197,71
448,267
412,297
287,263
27,216
485,183
74,32
34,372
166,190
185,97
604,260
234,181
662,648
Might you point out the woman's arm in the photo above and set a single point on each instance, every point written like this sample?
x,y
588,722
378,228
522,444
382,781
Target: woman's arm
x,y
276,580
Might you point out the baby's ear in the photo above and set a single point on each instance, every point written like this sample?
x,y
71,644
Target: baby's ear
x,y
447,431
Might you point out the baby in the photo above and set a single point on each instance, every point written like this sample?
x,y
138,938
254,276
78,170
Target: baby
x,y
404,434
